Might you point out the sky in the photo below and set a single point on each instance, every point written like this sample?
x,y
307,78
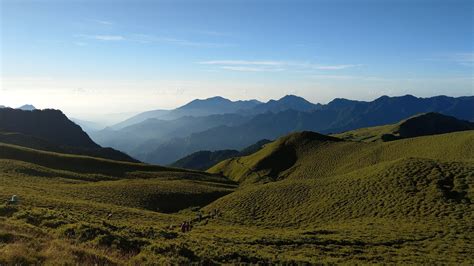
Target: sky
x,y
96,58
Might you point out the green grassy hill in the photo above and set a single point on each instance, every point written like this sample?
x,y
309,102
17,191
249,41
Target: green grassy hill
x,y
101,180
310,155
409,188
416,126
411,198
78,209
304,198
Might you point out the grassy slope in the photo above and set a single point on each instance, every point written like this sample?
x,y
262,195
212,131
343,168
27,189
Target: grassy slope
x,y
63,213
409,198
298,156
98,168
416,210
337,202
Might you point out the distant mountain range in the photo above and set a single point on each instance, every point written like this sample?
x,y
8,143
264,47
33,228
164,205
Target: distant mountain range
x,y
87,126
26,107
50,130
210,106
164,136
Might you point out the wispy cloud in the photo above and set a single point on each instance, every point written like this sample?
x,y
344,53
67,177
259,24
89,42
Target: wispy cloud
x,y
151,39
348,77
213,33
243,62
273,66
251,69
336,67
103,22
464,59
103,37
145,38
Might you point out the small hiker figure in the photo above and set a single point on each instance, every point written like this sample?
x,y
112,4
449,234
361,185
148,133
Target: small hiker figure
x,y
190,226
183,227
14,200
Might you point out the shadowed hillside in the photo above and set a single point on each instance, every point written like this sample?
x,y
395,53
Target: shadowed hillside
x,y
51,130
50,125
202,160
419,125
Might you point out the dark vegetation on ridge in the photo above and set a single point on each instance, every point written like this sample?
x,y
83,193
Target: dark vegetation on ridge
x,y
51,130
416,126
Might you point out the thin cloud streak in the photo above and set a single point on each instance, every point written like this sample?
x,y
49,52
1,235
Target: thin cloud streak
x,y
103,37
243,62
145,38
251,69
270,65
103,22
336,67
150,39
464,59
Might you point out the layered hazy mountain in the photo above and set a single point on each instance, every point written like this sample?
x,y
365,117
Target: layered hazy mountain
x,y
164,136
50,130
198,107
26,107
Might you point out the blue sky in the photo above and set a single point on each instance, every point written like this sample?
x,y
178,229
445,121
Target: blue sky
x,y
91,57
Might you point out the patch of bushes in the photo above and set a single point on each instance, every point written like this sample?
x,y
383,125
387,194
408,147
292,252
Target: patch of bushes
x,y
42,217
103,237
6,238
174,250
7,210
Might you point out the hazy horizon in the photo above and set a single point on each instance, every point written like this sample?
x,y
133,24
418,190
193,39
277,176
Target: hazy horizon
x,y
108,119
124,58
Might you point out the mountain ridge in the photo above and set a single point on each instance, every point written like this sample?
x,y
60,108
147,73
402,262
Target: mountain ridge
x,y
419,125
339,115
202,160
50,129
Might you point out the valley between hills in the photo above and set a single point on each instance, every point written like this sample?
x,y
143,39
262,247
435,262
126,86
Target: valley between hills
x,y
348,182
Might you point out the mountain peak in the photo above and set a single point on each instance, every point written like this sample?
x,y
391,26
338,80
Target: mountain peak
x,y
305,136
27,107
290,98
431,123
199,103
